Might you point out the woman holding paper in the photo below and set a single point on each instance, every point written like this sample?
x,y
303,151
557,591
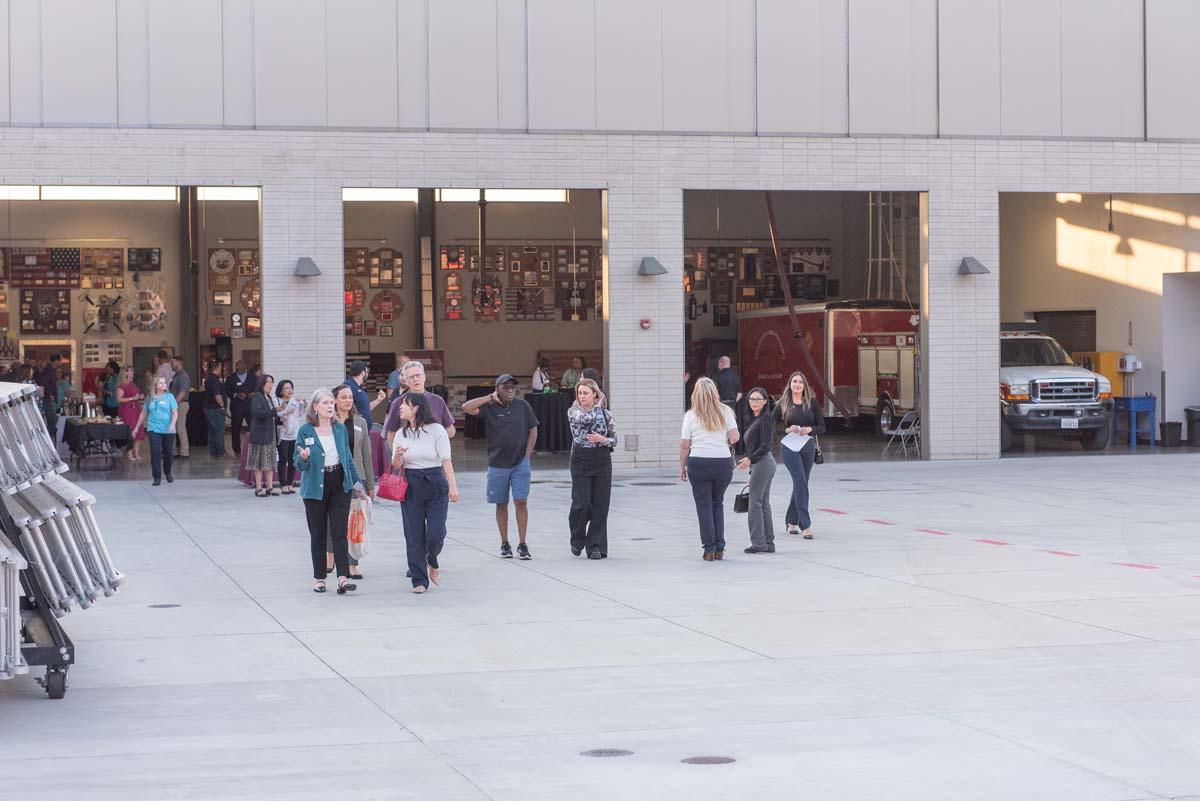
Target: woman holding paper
x,y
802,418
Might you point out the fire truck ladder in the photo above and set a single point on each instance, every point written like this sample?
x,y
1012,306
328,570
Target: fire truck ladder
x,y
888,223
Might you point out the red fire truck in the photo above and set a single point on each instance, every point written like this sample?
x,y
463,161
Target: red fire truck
x,y
865,350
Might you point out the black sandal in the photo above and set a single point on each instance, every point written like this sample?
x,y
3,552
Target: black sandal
x,y
320,587
356,576
259,493
346,587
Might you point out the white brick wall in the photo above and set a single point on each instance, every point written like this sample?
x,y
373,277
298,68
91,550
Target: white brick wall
x,y
301,173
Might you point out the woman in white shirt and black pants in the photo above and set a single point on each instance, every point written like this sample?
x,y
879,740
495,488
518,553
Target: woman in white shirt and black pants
x,y
705,459
422,449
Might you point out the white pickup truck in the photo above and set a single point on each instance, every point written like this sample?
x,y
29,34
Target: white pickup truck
x,y
1041,389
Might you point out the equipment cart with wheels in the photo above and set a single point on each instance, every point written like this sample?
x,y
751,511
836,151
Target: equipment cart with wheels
x,y
52,554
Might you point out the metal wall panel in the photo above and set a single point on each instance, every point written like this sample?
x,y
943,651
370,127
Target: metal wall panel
x,y
79,64
463,90
1030,68
25,63
184,91
289,63
1102,68
133,63
801,84
362,72
237,63
412,64
511,72
969,67
1172,69
708,66
893,67
629,65
562,65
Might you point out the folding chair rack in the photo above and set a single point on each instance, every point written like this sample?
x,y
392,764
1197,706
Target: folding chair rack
x,y
52,555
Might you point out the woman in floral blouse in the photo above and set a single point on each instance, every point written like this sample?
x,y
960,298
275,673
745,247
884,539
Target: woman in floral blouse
x,y
593,438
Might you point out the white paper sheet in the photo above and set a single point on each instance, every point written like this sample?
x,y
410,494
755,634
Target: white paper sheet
x,y
795,442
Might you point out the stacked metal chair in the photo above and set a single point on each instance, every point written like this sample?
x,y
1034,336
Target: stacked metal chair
x,y
57,550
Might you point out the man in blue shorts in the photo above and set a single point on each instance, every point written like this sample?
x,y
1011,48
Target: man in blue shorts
x,y
511,433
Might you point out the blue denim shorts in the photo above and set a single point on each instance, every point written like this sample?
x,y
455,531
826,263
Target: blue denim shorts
x,y
500,480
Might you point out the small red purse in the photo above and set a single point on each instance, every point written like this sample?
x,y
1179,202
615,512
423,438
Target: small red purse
x,y
393,486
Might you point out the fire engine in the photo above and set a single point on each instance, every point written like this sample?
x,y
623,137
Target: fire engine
x,y
864,350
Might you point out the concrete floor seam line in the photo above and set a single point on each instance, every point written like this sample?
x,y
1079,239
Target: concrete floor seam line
x,y
594,593
949,718
982,600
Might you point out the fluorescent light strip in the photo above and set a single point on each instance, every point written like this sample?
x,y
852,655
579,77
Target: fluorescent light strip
x,y
18,193
503,195
378,194
160,193
247,193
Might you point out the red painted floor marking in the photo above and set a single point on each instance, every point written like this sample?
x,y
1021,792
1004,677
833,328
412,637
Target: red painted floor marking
x,y
1060,553
935,531
880,522
831,511
1137,565
992,542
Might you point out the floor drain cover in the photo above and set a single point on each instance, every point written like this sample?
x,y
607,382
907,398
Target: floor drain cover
x,y
165,606
653,484
708,760
640,539
606,752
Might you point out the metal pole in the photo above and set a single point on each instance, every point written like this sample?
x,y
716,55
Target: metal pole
x,y
482,237
813,372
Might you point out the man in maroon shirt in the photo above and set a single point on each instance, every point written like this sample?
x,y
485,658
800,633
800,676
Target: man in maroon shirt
x,y
413,377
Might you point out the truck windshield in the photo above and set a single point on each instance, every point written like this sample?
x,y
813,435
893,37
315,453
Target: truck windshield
x,y
1032,352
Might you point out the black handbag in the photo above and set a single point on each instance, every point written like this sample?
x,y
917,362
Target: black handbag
x,y
741,501
818,457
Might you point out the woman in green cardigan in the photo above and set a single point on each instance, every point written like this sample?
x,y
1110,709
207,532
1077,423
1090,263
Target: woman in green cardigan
x,y
328,478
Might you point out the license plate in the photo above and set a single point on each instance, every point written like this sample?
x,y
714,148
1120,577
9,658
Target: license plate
x,y
1068,422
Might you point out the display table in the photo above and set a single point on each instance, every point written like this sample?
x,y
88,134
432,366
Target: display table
x,y
554,431
195,423
474,427
245,475
94,437
1130,408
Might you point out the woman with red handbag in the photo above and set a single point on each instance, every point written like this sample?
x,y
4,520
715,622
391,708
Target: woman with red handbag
x,y
422,450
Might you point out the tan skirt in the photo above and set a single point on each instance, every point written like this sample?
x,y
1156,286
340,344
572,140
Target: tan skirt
x,y
261,457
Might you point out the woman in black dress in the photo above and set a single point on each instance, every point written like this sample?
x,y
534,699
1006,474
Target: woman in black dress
x,y
800,414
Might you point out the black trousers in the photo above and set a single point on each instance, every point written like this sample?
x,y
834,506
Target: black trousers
x,y
591,491
710,477
239,411
162,448
425,509
329,517
287,468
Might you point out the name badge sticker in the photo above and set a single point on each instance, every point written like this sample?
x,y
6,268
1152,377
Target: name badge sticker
x,y
308,440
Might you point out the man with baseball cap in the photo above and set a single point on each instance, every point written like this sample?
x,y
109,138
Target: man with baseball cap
x,y
511,433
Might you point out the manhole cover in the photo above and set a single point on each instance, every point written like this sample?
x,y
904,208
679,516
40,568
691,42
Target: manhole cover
x,y
640,539
708,760
165,606
606,752
653,484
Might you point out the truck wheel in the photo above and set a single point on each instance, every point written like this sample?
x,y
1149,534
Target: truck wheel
x,y
885,418
1094,439
1006,436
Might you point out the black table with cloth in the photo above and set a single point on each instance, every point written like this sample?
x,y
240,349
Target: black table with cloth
x,y
475,428
196,423
554,430
91,437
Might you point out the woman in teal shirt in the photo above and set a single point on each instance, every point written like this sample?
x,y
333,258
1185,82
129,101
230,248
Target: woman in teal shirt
x,y
327,479
160,415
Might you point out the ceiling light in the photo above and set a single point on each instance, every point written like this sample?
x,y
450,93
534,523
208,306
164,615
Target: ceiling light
x,y
382,194
247,193
18,193
503,195
161,193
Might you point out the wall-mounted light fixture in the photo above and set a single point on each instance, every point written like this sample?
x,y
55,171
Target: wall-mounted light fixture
x,y
306,268
651,266
972,266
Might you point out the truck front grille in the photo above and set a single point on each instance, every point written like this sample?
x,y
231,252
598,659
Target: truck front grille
x,y
1064,390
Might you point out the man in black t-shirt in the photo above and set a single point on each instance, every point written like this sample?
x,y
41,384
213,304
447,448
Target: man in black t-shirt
x,y
214,410
511,432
